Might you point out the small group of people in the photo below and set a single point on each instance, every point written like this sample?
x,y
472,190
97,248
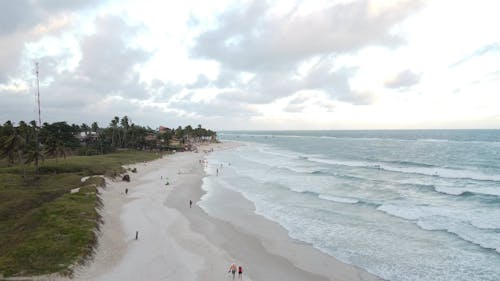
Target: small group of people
x,y
203,162
209,150
233,268
217,169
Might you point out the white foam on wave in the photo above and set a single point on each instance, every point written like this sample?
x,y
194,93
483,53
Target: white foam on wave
x,y
450,190
364,138
486,219
478,228
429,171
487,239
494,143
445,173
434,140
478,217
401,211
375,248
485,190
339,199
275,158
207,186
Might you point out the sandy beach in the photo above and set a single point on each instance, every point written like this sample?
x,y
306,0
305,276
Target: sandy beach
x,y
176,242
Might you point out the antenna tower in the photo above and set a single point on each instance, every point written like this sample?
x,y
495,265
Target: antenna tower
x,y
38,95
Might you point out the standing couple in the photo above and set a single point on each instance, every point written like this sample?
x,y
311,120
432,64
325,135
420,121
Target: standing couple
x,y
233,268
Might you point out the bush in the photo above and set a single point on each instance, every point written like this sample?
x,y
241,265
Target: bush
x,y
87,151
62,168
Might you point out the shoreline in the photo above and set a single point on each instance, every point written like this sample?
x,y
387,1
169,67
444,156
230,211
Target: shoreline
x,y
181,243
264,244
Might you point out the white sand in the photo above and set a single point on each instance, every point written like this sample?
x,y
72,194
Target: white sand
x,y
181,243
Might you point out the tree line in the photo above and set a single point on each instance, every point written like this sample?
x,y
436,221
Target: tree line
x,y
28,143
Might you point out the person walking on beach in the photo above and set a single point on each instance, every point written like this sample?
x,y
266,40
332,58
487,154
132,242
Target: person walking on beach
x,y
232,269
240,272
190,203
126,191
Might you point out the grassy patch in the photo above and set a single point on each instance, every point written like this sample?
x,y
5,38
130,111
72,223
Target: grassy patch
x,y
44,228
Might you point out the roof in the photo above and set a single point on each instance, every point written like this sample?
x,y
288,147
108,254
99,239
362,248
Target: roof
x,y
162,129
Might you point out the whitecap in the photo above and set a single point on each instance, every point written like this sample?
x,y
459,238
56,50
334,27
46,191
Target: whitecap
x,y
339,199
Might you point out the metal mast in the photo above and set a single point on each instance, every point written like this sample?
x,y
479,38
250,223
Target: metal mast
x,y
38,95
37,144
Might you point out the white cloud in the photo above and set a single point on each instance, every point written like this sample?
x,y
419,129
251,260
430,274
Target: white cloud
x,y
251,38
403,79
280,64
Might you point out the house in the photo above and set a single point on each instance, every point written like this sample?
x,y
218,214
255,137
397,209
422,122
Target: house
x,y
150,137
174,141
87,137
162,130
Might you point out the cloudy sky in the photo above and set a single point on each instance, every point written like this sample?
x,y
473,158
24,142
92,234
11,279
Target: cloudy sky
x,y
355,64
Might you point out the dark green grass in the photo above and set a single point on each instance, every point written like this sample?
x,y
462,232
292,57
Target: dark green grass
x,y
44,228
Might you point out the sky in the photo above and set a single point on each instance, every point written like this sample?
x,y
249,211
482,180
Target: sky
x,y
254,65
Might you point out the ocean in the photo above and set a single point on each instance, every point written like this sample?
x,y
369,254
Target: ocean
x,y
402,204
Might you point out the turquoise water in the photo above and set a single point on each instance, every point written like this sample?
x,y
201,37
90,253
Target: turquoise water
x,y
404,205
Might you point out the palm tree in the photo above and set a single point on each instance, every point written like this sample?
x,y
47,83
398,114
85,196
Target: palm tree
x,y
179,134
114,125
55,148
85,128
76,129
125,125
166,137
95,129
33,152
188,130
12,147
6,132
198,132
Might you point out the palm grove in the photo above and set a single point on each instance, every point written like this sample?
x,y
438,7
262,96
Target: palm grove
x,y
49,206
27,143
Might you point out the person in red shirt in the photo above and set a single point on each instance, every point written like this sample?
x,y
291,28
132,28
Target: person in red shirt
x,y
240,272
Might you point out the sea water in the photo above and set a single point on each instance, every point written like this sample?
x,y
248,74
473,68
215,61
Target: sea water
x,y
404,205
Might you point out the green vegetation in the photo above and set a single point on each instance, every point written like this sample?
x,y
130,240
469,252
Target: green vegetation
x,y
27,143
44,228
